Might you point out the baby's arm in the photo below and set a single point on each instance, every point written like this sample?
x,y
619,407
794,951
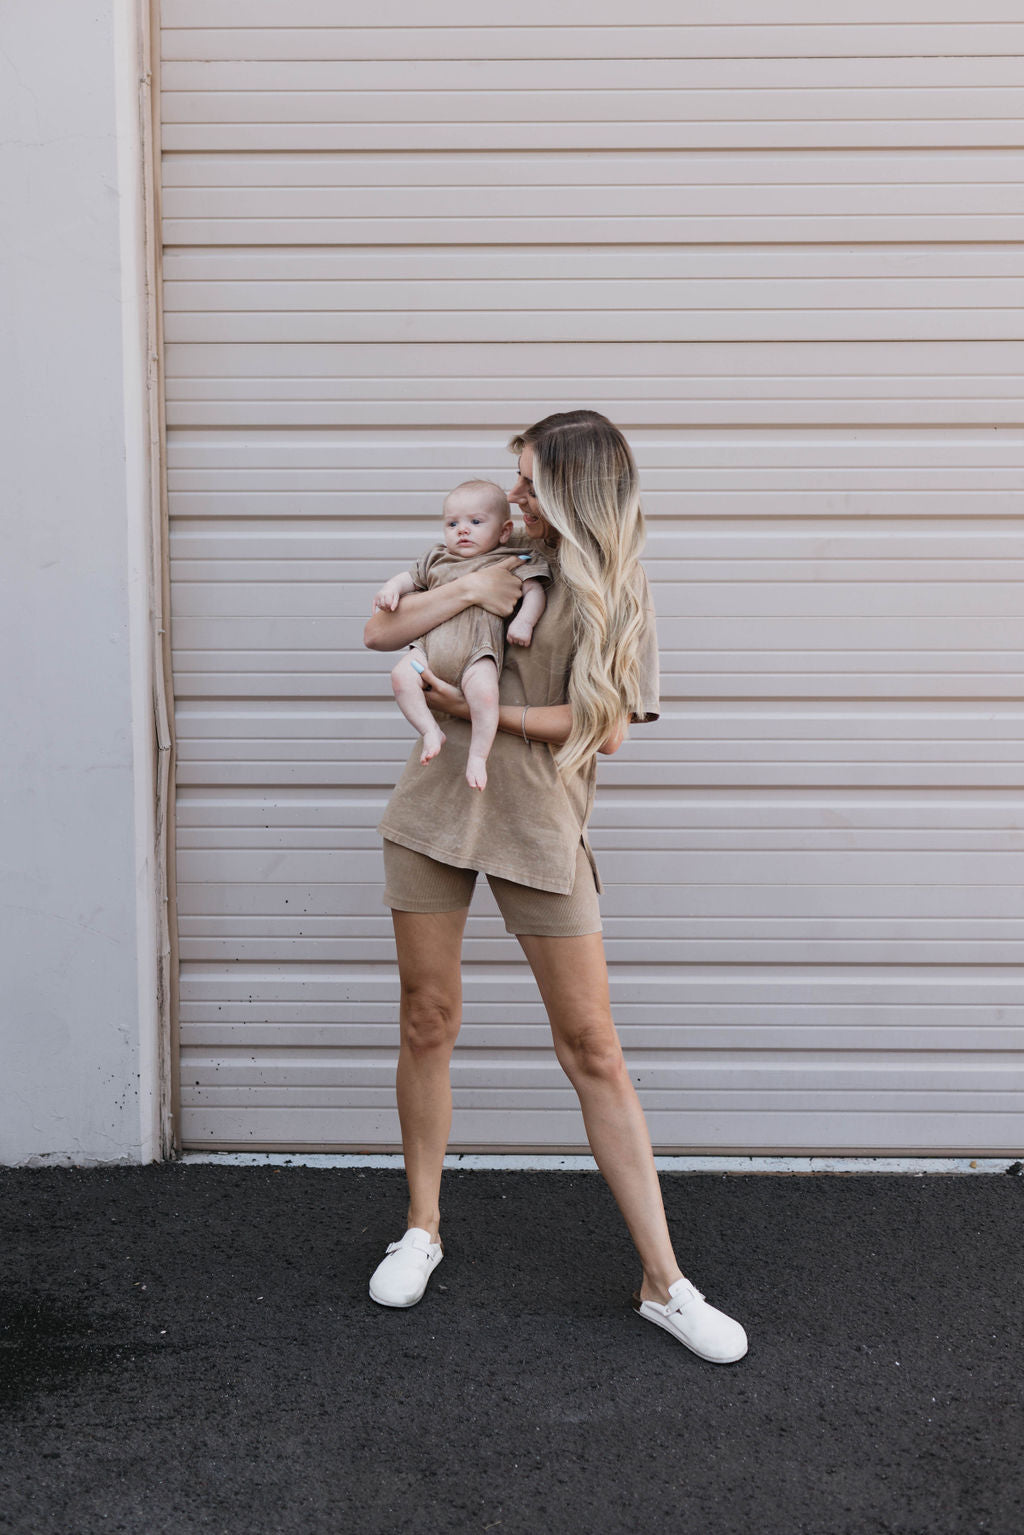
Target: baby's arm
x,y
393,591
520,630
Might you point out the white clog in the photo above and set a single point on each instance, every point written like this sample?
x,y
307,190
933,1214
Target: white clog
x,y
688,1317
401,1276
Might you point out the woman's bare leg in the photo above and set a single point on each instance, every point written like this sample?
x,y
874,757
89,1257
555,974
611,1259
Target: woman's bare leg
x,y
429,965
573,981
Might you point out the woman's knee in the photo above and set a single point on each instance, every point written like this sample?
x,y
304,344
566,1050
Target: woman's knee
x,y
430,1018
591,1049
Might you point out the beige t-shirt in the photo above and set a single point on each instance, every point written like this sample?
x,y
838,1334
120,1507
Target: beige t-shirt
x,y
527,824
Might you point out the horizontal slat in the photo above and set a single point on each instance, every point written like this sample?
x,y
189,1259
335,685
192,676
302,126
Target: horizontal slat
x,y
722,986
512,178
589,13
839,867
746,1130
738,942
773,225
683,1078
510,112
382,770
374,407
727,504
348,595
396,459
353,561
861,297
931,130
892,636
811,898
716,809
791,323
741,550
240,38
869,364
626,84
317,1026
260,674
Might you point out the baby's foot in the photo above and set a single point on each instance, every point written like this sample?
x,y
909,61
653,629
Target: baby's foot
x,y
476,772
520,633
432,743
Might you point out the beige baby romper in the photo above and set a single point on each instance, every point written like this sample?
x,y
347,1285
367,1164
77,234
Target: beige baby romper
x,y
474,632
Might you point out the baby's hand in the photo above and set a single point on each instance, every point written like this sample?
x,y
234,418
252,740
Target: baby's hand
x,y
387,599
520,630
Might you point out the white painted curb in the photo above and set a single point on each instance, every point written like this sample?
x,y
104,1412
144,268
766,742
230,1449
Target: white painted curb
x,y
513,1163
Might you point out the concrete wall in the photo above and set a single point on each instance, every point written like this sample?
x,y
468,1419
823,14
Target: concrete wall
x,y
78,1018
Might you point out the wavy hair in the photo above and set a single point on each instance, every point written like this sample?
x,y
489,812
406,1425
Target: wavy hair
x,y
586,482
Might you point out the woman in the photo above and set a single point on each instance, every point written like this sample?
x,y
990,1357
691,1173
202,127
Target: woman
x,y
591,669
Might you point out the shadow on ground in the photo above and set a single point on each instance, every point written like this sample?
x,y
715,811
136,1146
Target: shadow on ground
x,y
191,1348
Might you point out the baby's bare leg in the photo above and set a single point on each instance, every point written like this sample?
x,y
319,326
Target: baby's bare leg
x,y
412,701
480,689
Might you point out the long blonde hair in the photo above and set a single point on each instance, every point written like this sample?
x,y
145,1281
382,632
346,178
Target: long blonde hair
x,y
587,486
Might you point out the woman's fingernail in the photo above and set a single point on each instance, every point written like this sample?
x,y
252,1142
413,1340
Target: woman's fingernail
x,y
417,666
526,556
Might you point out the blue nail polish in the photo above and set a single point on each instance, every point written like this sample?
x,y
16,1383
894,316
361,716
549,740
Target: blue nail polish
x,y
417,666
526,556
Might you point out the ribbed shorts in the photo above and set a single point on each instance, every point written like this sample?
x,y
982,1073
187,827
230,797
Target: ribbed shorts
x,y
414,882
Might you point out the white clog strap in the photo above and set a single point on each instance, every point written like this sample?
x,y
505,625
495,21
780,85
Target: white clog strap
x,y
405,1245
683,1296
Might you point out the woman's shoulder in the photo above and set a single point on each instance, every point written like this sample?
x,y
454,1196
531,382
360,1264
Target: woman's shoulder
x,y
519,540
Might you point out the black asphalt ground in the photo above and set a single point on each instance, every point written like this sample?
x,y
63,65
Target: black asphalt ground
x,y
191,1348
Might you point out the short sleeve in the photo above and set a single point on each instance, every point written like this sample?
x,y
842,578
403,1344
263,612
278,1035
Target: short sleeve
x,y
537,570
647,658
420,572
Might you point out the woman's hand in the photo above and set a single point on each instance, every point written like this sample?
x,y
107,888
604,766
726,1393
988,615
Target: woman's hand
x,y
495,588
441,695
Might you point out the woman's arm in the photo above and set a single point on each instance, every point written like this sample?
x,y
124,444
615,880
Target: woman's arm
x,y
550,723
495,589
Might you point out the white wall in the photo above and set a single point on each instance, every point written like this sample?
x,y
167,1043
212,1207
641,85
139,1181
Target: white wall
x,y
78,1019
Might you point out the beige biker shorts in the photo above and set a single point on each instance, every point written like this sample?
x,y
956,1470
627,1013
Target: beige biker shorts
x,y
414,882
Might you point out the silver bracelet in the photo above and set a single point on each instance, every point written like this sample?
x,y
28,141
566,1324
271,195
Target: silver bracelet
x,y
522,724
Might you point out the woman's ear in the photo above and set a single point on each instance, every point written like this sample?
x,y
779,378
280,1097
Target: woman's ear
x,y
506,532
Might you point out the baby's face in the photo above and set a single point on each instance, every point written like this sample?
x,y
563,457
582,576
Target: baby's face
x,y
471,526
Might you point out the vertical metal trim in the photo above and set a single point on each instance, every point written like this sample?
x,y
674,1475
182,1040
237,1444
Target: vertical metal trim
x,y
163,677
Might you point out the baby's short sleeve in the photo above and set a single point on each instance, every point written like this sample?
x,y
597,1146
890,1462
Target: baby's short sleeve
x,y
420,572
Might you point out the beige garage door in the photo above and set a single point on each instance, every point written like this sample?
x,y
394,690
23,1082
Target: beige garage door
x,y
786,259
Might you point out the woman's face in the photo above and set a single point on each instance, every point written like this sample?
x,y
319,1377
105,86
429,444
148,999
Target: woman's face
x,y
523,495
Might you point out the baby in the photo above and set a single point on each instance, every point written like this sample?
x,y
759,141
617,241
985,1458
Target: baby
x,y
466,650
